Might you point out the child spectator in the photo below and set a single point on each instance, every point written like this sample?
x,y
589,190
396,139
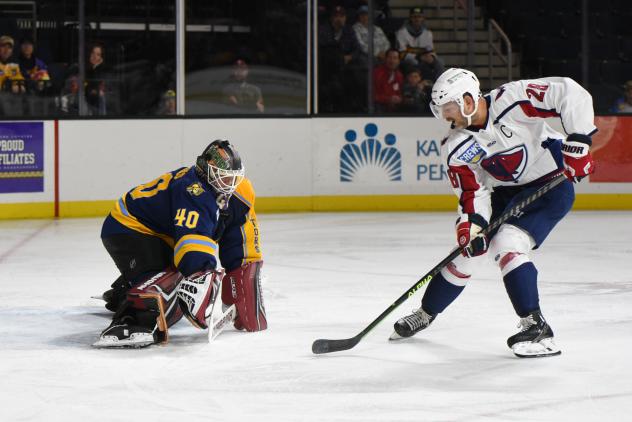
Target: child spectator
x,y
416,93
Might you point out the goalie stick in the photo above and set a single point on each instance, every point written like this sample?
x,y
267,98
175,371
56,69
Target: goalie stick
x,y
321,346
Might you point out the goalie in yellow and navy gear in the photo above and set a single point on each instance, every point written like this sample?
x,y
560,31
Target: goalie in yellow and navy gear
x,y
171,238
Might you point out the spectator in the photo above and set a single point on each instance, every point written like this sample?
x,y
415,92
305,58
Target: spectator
x,y
241,94
387,82
11,79
68,101
624,104
168,104
413,36
361,28
416,93
33,69
430,65
337,47
96,74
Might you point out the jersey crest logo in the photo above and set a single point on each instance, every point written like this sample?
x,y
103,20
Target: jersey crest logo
x,y
507,166
473,154
371,160
195,189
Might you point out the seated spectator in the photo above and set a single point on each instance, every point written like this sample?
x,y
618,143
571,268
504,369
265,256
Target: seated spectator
x,y
241,94
361,29
337,47
68,100
168,104
413,36
416,93
430,65
11,79
624,104
33,69
387,82
96,75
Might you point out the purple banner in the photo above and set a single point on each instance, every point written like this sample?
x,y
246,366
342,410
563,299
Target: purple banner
x,y
21,157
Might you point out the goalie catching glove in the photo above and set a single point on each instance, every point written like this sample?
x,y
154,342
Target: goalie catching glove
x,y
577,159
468,237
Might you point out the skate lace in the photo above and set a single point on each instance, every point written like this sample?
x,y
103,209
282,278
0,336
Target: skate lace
x,y
525,323
417,319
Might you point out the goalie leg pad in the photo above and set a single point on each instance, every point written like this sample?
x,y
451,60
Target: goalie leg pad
x,y
157,296
242,287
197,294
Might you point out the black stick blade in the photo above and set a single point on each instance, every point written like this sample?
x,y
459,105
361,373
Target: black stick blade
x,y
321,346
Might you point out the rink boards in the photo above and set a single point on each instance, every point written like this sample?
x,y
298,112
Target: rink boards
x,y
78,168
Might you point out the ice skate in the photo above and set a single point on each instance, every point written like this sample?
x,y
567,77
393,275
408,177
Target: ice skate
x,y
535,339
132,329
411,324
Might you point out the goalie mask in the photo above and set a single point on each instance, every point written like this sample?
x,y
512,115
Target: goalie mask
x,y
448,92
221,165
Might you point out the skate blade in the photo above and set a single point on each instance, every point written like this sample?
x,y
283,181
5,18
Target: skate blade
x,y
135,342
543,348
98,297
395,336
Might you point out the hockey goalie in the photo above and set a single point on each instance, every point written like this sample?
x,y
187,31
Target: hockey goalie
x,y
182,243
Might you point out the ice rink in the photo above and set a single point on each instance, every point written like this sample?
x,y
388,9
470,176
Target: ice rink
x,y
327,275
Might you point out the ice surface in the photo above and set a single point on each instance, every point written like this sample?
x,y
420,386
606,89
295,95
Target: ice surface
x,y
327,276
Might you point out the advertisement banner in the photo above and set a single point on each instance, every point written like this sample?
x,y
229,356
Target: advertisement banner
x,y
611,149
21,157
382,156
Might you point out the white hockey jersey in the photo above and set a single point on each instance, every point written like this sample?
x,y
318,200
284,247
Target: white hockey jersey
x,y
515,146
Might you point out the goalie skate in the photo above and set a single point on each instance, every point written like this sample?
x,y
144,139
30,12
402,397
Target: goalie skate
x,y
124,335
535,339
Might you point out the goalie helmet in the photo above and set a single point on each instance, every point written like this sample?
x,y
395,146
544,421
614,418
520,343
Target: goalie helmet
x,y
221,165
450,88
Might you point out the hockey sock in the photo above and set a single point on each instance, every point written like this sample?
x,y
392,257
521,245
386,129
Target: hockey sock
x,y
439,294
522,288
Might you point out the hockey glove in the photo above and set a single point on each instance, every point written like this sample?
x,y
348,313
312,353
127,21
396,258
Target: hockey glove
x,y
197,294
468,237
577,159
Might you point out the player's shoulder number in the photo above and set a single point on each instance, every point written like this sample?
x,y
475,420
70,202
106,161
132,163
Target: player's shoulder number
x,y
536,91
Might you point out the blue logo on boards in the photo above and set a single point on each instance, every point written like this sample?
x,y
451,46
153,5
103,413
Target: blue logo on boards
x,y
370,160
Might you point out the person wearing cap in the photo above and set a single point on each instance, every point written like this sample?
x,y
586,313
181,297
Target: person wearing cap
x,y
624,104
11,79
430,65
361,29
337,48
414,36
33,69
242,94
168,103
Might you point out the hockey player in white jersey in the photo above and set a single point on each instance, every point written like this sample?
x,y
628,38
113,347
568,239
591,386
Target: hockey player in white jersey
x,y
499,150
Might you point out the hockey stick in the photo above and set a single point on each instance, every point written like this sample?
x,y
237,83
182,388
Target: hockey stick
x,y
326,346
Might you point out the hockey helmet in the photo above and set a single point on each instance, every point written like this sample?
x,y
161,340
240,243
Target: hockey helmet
x,y
449,89
221,164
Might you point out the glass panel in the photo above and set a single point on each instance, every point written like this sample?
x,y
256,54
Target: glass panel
x,y
129,58
246,57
